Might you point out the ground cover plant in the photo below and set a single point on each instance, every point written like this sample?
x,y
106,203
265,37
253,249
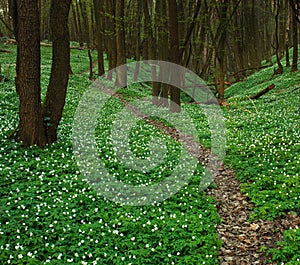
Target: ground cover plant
x,y
49,215
263,148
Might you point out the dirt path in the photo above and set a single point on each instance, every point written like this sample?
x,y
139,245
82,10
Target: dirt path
x,y
243,240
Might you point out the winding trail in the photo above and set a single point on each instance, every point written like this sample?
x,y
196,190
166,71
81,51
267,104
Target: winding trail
x,y
243,241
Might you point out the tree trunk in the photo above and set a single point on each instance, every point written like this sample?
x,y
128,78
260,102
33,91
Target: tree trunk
x,y
80,31
27,29
163,48
174,55
57,88
121,78
138,23
75,23
99,12
295,43
287,36
221,48
110,29
277,10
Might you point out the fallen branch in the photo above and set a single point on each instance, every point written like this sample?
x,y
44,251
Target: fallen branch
x,y
262,92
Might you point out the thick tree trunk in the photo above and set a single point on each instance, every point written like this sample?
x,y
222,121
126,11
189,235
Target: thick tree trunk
x,y
27,29
56,92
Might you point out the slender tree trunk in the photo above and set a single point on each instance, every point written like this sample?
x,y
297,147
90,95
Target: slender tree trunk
x,y
99,12
221,48
75,22
146,31
295,43
111,36
85,23
56,93
121,78
80,31
287,35
163,47
277,11
174,58
138,40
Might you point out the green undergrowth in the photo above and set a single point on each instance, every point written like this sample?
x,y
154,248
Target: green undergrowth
x,y
50,215
263,146
264,149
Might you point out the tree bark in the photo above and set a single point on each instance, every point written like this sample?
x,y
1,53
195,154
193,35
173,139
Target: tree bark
x,y
121,78
99,12
174,55
287,36
80,31
27,29
56,93
295,43
221,47
110,29
277,10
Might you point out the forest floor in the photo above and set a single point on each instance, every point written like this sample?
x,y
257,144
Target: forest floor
x,y
244,241
250,215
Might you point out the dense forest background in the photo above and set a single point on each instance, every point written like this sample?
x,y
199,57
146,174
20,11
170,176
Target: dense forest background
x,y
221,41
224,39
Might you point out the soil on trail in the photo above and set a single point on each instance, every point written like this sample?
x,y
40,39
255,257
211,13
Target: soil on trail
x,y
243,241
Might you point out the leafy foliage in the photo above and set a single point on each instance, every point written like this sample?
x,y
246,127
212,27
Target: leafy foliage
x,y
49,214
